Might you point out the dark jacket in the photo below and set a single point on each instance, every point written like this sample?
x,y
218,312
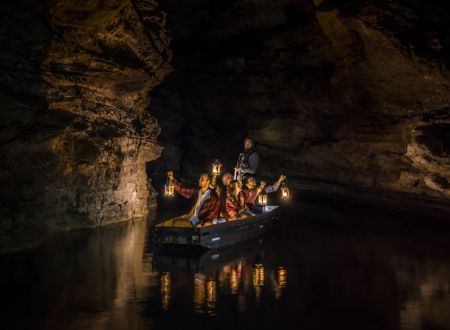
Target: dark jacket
x,y
249,162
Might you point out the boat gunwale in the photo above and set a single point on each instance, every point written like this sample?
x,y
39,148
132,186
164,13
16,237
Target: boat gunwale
x,y
227,223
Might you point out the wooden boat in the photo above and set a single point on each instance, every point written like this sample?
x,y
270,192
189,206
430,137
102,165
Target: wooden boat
x,y
179,232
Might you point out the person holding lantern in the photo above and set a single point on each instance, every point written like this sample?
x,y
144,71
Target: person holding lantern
x,y
251,191
207,202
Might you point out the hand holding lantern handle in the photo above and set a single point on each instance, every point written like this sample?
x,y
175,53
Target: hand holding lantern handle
x,y
169,188
170,176
284,187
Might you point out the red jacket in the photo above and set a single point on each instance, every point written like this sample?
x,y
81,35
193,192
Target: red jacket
x,y
211,206
250,196
234,206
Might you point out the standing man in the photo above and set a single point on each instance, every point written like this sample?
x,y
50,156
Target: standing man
x,y
207,203
248,160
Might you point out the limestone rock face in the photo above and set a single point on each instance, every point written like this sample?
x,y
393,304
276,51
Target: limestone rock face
x,y
338,93
76,131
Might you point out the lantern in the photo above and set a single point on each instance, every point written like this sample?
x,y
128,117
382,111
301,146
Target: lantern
x,y
216,165
284,190
262,199
282,278
169,190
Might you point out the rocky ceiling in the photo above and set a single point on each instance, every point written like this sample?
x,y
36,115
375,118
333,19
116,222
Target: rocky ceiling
x,y
351,96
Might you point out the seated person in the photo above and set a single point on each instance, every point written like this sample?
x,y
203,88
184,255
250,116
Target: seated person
x,y
235,202
207,203
226,179
251,192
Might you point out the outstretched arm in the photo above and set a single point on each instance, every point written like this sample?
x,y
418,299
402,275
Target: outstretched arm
x,y
275,186
183,191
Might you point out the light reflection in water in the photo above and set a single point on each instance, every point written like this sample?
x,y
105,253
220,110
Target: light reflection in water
x,y
231,278
258,280
110,279
234,282
427,303
165,290
281,282
211,296
199,293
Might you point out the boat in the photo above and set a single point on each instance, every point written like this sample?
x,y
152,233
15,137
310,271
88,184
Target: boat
x,y
177,232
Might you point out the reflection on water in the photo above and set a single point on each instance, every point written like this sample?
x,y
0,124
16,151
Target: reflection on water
x,y
165,290
211,296
258,280
236,277
199,293
308,275
281,282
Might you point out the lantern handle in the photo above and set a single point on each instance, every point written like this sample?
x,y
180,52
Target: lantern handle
x,y
169,180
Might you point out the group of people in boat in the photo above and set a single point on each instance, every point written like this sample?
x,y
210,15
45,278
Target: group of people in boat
x,y
236,200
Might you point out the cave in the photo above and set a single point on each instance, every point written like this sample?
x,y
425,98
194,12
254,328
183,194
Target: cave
x,y
349,99
99,100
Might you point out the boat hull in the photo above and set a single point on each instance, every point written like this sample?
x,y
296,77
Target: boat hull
x,y
217,236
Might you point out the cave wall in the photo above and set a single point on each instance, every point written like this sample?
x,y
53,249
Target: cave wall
x,y
76,132
336,93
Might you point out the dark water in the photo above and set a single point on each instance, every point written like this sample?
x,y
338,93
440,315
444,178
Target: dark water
x,y
329,266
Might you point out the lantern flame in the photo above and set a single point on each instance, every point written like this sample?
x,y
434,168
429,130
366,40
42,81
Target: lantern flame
x,y
216,167
262,199
169,190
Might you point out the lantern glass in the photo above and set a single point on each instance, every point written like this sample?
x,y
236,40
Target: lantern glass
x,y
216,167
262,199
169,190
284,191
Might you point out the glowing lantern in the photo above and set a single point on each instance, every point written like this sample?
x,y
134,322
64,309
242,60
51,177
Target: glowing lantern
x,y
262,199
216,167
282,278
284,190
169,189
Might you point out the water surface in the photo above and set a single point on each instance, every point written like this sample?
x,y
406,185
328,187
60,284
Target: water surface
x,y
329,266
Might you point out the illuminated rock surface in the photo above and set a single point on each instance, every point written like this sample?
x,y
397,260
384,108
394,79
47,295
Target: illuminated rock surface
x,y
75,131
348,96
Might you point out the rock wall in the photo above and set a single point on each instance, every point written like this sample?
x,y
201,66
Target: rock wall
x,y
75,131
338,94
